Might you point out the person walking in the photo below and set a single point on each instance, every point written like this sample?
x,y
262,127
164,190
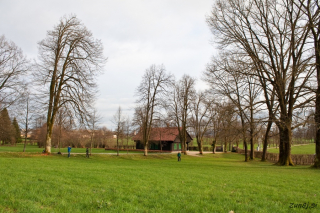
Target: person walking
x,y
69,151
179,156
87,153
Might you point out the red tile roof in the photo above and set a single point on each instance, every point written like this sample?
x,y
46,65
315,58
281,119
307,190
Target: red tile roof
x,y
163,133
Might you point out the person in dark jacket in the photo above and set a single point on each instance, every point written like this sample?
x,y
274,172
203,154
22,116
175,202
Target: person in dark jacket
x,y
87,153
179,156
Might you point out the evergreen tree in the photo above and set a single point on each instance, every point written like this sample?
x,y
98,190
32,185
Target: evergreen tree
x,y
16,129
6,133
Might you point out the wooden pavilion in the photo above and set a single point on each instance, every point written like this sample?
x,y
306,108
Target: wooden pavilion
x,y
166,138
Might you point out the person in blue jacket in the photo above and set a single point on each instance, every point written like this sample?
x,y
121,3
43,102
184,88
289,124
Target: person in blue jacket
x,y
69,151
179,156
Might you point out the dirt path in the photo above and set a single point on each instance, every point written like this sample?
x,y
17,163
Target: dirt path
x,y
191,153
196,153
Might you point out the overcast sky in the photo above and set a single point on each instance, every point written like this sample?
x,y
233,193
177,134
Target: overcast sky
x,y
135,34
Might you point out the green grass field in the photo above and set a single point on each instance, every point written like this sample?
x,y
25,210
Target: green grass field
x,y
36,149
298,149
31,182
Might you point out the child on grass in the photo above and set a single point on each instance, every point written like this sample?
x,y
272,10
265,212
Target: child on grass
x,y
87,153
69,151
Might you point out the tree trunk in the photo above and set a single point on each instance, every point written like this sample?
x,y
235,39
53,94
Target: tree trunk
x,y
317,141
117,146
251,130
225,145
265,142
214,146
48,139
25,142
251,146
317,121
184,142
26,133
91,145
182,148
285,134
127,145
59,139
200,146
246,159
317,111
146,149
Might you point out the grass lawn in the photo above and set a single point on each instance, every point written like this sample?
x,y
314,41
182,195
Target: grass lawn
x,y
36,149
32,182
298,149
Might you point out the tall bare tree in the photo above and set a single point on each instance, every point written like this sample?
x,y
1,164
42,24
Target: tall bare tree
x,y
151,91
119,122
64,121
70,58
13,65
311,9
228,130
201,117
226,78
94,119
215,124
28,115
178,106
127,128
272,34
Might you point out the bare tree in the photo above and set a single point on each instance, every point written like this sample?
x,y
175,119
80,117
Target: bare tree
x,y
64,121
311,9
127,130
226,78
272,34
159,125
70,58
201,117
228,130
119,122
13,65
178,106
27,117
92,123
151,91
215,127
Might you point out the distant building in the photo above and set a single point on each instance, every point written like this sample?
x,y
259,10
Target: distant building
x,y
167,137
23,133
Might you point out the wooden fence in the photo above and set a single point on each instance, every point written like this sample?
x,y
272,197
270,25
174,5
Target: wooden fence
x,y
274,157
195,148
121,147
206,148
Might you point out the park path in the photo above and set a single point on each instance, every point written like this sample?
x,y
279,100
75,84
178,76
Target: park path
x,y
191,153
196,153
